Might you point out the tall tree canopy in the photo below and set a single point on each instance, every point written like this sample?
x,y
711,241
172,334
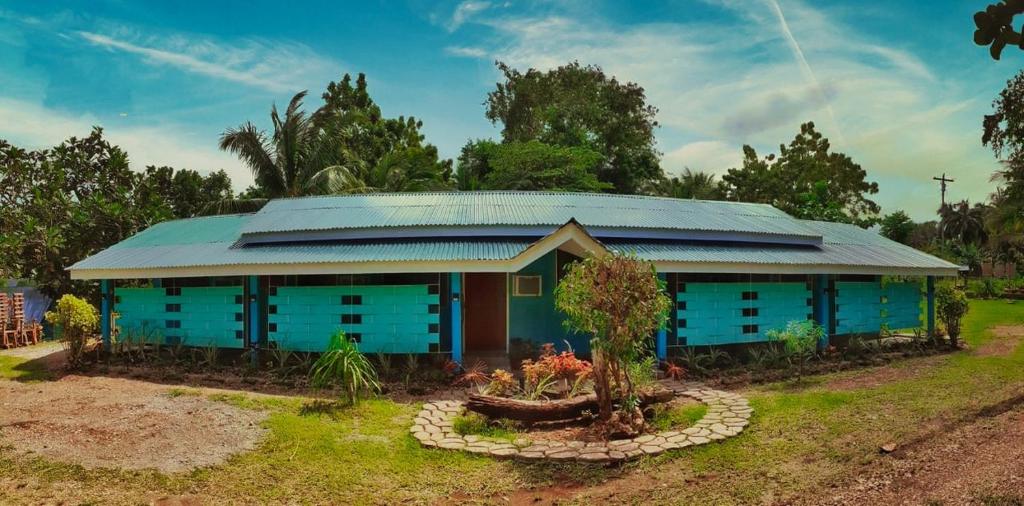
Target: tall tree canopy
x,y
806,180
692,185
63,204
897,226
186,192
528,166
580,106
344,146
994,26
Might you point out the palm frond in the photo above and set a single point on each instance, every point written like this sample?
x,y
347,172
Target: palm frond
x,y
232,206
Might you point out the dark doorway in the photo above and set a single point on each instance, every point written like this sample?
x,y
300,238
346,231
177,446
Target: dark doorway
x,y
485,310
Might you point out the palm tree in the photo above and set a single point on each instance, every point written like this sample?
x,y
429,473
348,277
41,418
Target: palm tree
x,y
298,159
964,223
693,185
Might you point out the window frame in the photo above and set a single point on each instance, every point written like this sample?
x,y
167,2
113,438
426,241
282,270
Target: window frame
x,y
517,292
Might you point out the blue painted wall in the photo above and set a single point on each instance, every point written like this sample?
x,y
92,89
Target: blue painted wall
x,y
858,307
200,316
901,308
535,319
713,313
382,318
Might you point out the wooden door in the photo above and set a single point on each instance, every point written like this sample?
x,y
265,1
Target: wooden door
x,y
485,310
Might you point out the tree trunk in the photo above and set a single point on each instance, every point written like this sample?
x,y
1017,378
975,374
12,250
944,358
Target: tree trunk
x,y
548,411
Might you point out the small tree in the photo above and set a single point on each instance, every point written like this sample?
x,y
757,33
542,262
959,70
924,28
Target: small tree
x,y
951,306
800,339
77,320
620,301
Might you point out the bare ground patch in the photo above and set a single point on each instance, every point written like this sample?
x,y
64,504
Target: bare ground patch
x,y
1007,338
890,373
121,423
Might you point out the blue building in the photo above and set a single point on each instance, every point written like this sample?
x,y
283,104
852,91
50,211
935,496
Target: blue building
x,y
472,272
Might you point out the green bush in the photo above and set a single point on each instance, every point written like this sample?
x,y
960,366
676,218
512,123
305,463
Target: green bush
x,y
800,341
342,365
951,306
77,320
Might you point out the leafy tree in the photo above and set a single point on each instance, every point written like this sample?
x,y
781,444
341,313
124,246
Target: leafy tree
x,y
365,138
692,185
620,301
77,320
806,177
897,226
344,146
530,165
923,235
951,306
187,192
580,106
995,26
66,203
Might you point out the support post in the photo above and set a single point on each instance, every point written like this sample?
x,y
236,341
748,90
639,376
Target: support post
x,y
930,318
456,308
821,307
255,328
106,308
661,341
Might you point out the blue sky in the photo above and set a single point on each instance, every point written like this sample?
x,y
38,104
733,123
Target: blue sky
x,y
899,86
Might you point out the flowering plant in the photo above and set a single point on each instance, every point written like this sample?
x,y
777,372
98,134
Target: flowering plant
x,y
550,367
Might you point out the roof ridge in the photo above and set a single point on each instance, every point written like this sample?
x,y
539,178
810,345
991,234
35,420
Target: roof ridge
x,y
521,192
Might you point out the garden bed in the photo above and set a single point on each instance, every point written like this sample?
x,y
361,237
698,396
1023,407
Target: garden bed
x,y
727,415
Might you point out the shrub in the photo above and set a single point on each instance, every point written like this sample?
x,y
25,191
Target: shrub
x,y
800,340
343,366
470,423
502,383
78,320
551,367
950,306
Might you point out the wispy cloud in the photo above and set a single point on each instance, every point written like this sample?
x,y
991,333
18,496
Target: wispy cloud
x,y
469,52
755,79
465,11
31,125
278,67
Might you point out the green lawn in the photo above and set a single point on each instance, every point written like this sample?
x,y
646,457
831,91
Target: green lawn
x,y
802,438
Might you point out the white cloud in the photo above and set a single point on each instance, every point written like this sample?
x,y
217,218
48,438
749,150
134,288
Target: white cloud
x,y
754,80
277,67
469,52
465,11
33,126
710,156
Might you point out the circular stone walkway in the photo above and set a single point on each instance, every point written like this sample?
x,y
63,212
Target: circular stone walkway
x,y
727,415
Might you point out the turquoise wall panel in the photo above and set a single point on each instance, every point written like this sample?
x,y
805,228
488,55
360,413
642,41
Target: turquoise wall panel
x,y
901,308
207,316
717,313
536,319
858,307
383,318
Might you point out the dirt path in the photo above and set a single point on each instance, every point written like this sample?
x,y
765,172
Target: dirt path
x,y
978,463
122,423
1007,338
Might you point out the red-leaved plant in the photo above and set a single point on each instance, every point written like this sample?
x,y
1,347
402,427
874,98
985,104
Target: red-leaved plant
x,y
551,367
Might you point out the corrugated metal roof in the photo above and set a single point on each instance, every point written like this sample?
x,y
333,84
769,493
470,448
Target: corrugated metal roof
x,y
208,241
844,245
212,241
391,210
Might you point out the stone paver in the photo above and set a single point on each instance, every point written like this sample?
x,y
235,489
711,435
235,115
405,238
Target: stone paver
x,y
728,414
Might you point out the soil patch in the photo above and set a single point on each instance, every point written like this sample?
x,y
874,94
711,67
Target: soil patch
x,y
890,373
981,462
121,423
1007,338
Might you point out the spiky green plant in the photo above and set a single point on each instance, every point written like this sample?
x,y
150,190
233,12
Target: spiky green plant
x,y
342,365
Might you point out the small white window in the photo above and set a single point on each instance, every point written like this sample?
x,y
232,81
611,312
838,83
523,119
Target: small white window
x,y
526,286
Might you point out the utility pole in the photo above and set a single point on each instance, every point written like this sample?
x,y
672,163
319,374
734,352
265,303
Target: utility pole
x,y
942,184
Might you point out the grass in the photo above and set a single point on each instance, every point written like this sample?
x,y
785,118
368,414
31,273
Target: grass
x,y
19,369
802,438
678,417
478,425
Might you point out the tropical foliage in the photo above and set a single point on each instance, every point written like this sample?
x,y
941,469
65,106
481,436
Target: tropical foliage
x,y
620,301
951,306
77,320
344,367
